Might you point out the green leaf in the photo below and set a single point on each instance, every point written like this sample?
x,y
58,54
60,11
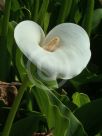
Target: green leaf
x,y
51,84
4,59
65,100
4,55
77,16
43,11
1,20
15,5
28,125
64,11
2,103
10,39
58,115
85,77
3,115
80,99
88,14
97,17
46,21
91,116
20,64
34,10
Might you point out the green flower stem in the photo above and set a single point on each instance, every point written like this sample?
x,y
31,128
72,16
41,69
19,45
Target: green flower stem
x,y
14,108
87,21
64,11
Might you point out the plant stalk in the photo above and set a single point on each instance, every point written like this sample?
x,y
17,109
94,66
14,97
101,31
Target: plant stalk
x,y
14,108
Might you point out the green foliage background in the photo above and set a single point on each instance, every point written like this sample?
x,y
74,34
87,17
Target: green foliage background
x,y
75,109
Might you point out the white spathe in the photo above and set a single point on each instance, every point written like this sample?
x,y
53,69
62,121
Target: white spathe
x,y
67,61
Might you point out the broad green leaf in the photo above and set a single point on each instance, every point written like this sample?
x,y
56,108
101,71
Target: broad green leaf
x,y
15,5
80,99
28,125
58,115
10,39
97,17
98,134
85,77
20,64
50,84
65,100
91,116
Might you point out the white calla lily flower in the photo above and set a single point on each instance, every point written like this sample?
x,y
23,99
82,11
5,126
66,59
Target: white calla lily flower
x,y
63,53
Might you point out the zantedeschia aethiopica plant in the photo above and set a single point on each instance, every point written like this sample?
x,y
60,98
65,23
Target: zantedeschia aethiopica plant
x,y
63,53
